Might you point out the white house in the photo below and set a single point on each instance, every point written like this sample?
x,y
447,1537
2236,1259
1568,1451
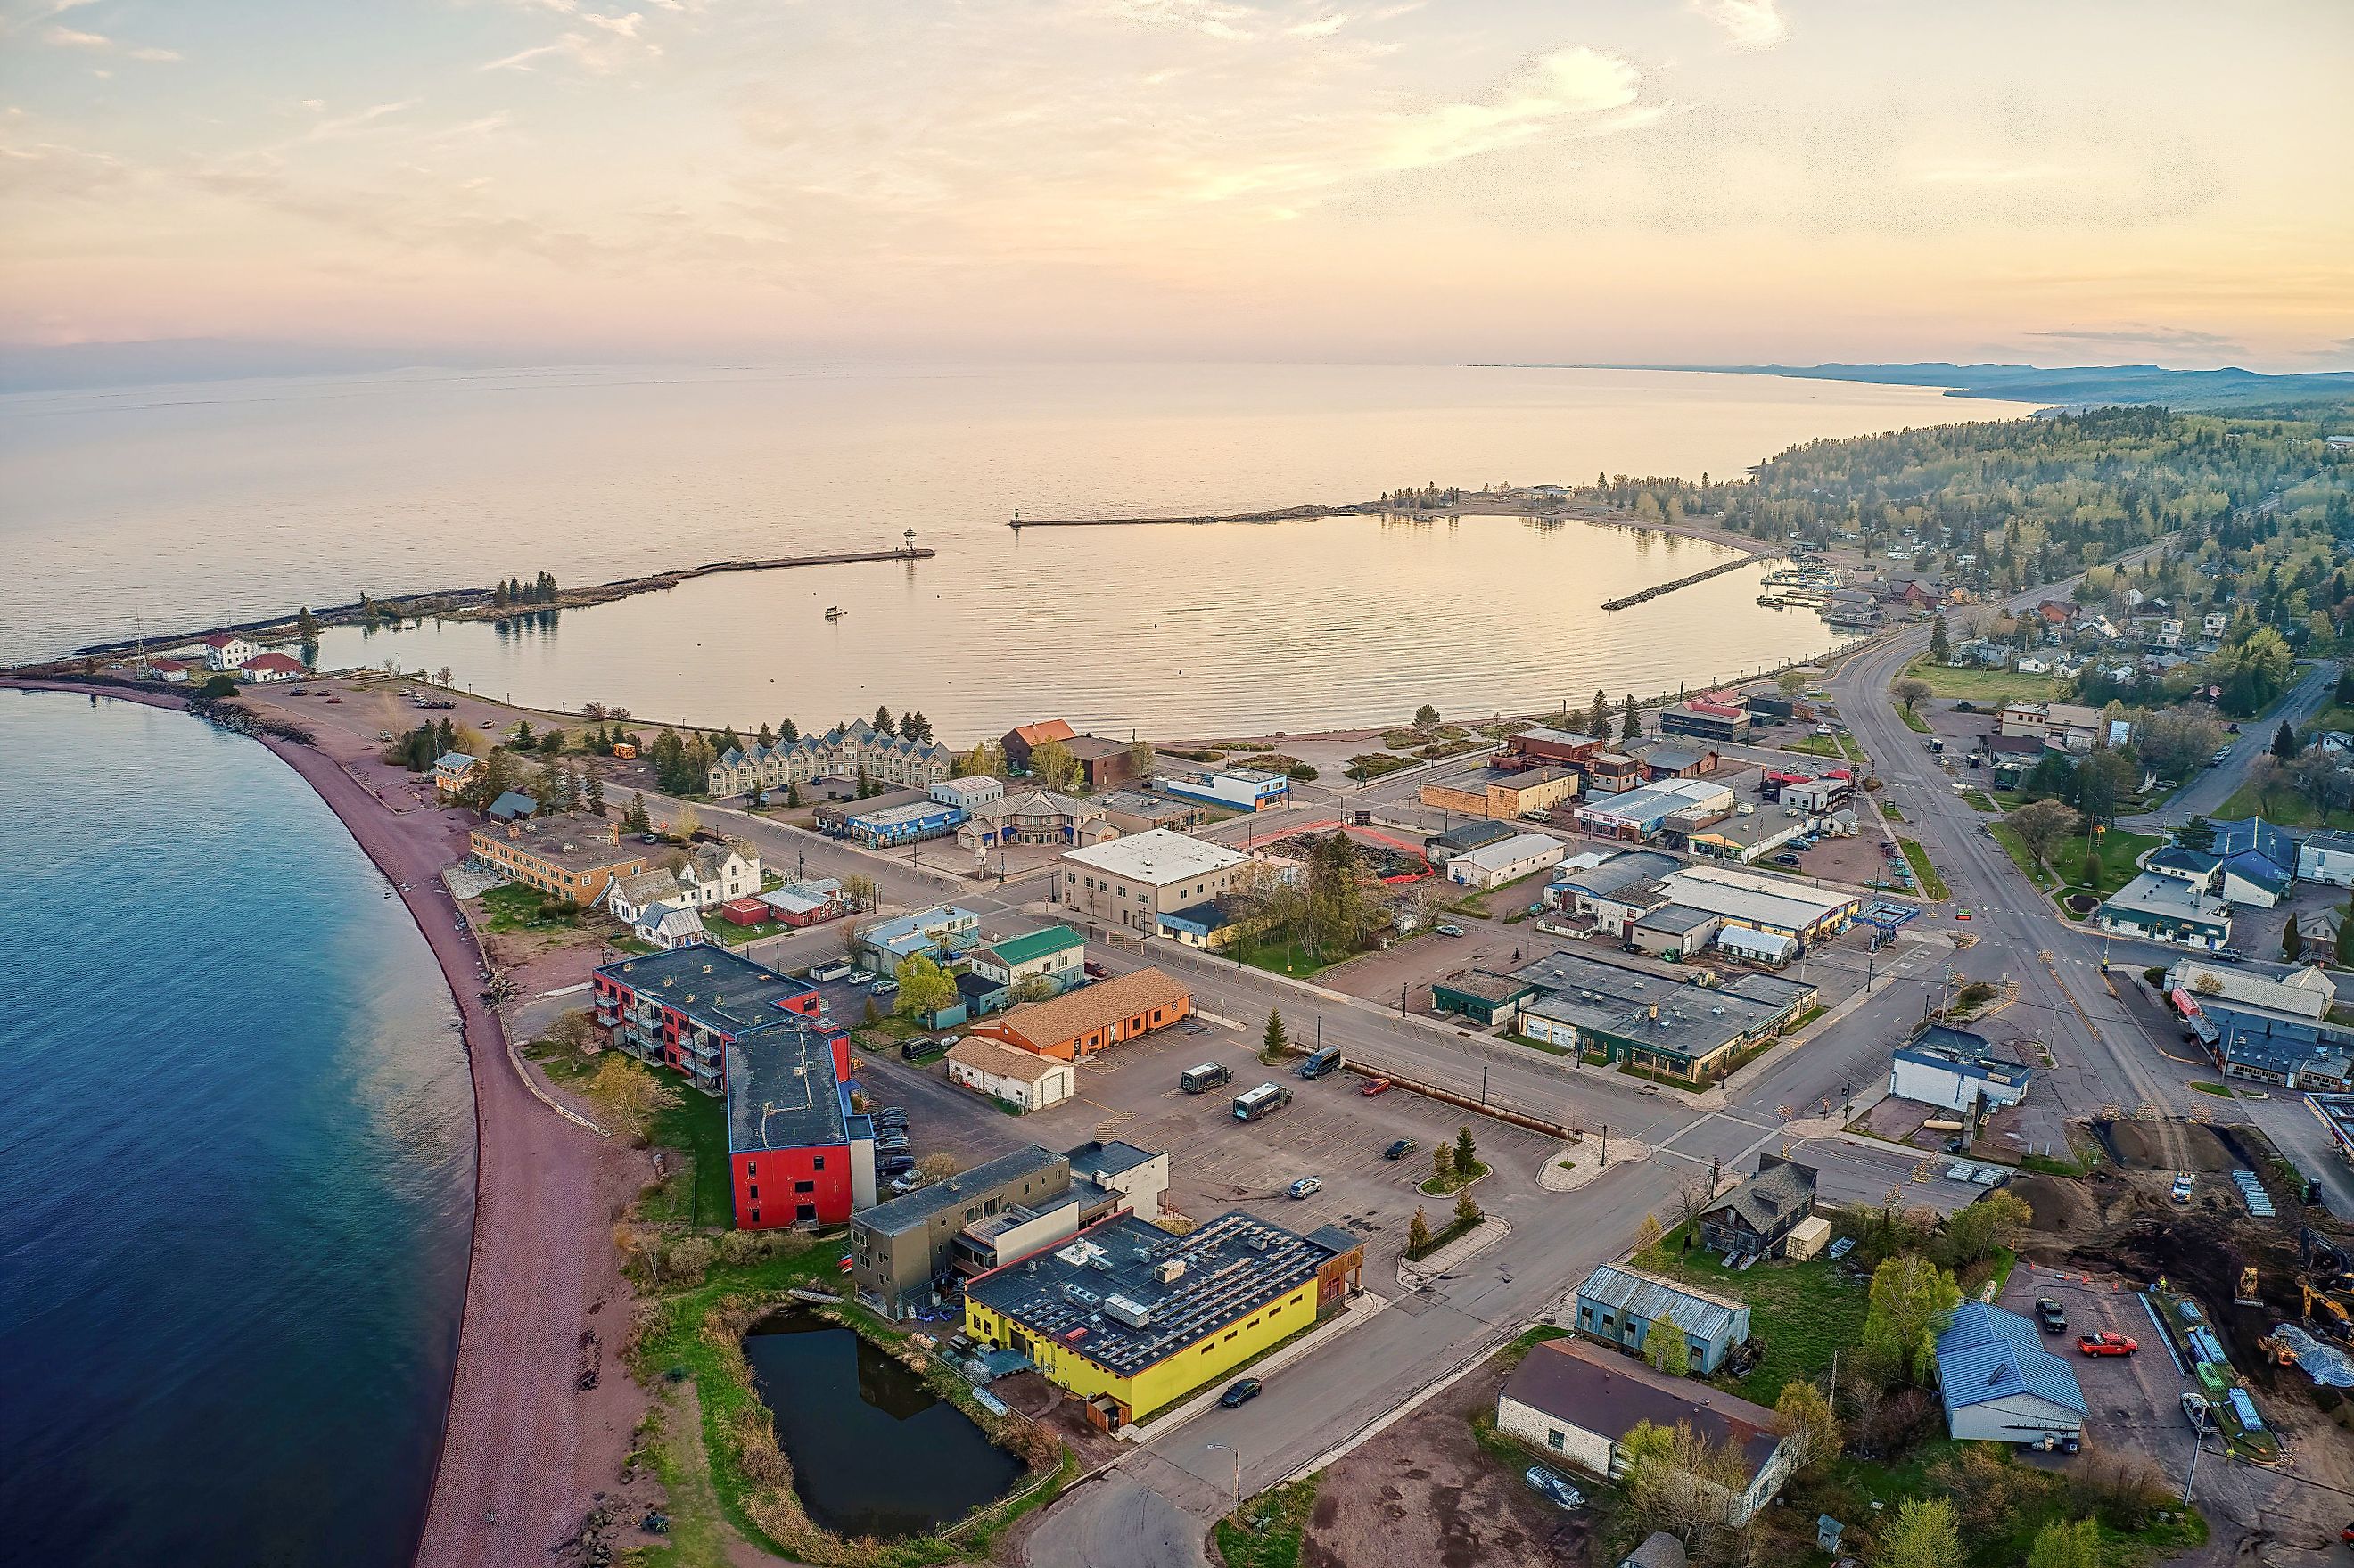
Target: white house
x,y
1002,1072
1578,1400
2327,857
718,873
1055,954
1998,1382
1508,860
669,926
627,898
263,668
225,650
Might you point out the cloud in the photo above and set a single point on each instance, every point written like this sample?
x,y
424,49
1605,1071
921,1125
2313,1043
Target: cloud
x,y
1746,24
2187,338
155,56
67,39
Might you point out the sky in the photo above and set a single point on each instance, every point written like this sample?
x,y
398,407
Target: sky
x,y
1613,181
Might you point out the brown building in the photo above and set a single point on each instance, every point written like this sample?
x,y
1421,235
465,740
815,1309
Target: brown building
x,y
573,857
1532,747
1104,764
1080,1023
1022,739
1534,789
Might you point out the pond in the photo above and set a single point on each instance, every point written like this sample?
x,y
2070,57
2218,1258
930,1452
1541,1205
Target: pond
x,y
875,1452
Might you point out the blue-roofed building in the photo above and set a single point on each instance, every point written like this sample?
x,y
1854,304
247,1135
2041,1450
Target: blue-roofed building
x,y
1956,1070
2000,1385
1619,1307
943,932
511,805
2270,840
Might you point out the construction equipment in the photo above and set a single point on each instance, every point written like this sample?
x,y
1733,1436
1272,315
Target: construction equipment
x,y
2325,1259
2247,1295
2328,1313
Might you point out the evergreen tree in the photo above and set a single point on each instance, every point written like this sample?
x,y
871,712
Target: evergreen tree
x,y
1598,725
499,596
306,625
1417,1235
768,737
882,719
595,791
1467,1209
1276,1041
2284,741
634,818
1467,1153
1631,728
2346,937
1941,647
2292,945
787,731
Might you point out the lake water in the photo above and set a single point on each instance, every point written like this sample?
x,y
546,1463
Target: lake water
x,y
171,507
238,1144
874,1451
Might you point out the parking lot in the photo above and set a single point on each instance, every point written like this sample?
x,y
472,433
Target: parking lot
x,y
2133,1402
1331,1130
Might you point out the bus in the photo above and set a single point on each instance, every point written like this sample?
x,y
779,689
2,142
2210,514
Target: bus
x,y
1264,1100
1207,1076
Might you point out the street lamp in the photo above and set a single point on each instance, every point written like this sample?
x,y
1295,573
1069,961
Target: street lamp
x,y
1237,1455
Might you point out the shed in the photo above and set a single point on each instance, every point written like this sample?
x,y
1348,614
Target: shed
x,y
1619,1306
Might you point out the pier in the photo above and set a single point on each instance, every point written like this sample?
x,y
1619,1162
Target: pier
x,y
1686,581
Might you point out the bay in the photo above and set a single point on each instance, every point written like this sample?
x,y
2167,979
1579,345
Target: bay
x,y
171,507
237,1139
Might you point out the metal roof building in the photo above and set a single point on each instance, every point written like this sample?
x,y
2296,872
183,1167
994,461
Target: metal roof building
x,y
1999,1385
1619,1306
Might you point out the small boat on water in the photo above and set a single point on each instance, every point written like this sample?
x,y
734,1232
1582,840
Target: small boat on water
x,y
833,612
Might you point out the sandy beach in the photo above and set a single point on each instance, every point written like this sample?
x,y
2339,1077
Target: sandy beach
x,y
522,1449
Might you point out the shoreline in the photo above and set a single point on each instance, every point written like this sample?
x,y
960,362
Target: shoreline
x,y
516,1438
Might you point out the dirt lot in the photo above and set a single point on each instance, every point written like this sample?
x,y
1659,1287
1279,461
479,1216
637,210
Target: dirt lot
x,y
1425,1492
2093,1239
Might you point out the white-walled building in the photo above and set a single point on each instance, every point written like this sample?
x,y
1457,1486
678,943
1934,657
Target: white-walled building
x,y
1507,860
2328,858
1133,881
718,873
1003,1072
1955,1070
226,651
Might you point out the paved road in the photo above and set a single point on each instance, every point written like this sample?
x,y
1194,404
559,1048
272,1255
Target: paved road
x,y
2205,795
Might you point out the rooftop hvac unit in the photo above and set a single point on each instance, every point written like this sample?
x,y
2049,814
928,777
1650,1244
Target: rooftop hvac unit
x,y
1135,1314
1171,1270
1081,1296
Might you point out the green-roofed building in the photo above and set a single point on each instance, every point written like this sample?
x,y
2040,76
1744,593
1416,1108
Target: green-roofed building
x,y
1056,954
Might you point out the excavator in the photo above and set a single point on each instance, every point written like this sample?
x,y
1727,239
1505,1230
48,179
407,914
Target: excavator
x,y
2326,1312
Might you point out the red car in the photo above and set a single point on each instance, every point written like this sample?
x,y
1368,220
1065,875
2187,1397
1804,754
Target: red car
x,y
2107,1344
1376,1086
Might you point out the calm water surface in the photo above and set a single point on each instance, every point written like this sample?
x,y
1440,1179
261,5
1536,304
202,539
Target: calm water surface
x,y
174,506
237,1145
874,1451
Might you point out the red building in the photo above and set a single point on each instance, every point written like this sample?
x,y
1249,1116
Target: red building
x,y
682,1009
796,1155
1534,748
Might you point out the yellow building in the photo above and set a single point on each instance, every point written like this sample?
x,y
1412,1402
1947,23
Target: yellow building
x,y
1132,1318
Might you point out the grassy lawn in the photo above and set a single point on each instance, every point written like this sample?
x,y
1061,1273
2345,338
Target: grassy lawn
x,y
1286,957
702,1194
512,906
1814,746
1912,721
2220,1091
1982,686
734,935
1932,884
1266,1532
1374,764
1980,800
1890,810
2285,809
1533,1044
1457,1180
1798,1312
2117,851
2027,868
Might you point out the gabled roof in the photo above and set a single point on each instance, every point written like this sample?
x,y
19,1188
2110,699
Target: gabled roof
x,y
1089,1008
1987,1354
1040,732
2267,839
1652,1298
2257,868
1602,1392
1780,1189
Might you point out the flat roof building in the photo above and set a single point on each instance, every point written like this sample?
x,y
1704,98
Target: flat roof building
x,y
567,857
1132,1318
1782,904
796,1155
1639,814
1129,881
900,1248
1637,1018
682,1009
2161,908
1955,1070
1507,860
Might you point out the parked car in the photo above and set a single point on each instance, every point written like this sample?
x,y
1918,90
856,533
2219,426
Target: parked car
x,y
2231,955
2051,1315
893,1164
2182,1185
1553,1488
2105,1343
1376,1086
1400,1150
1091,968
2195,1411
905,1183
861,977
1447,928
1306,1187
1241,1393
1822,729
1786,859
886,988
